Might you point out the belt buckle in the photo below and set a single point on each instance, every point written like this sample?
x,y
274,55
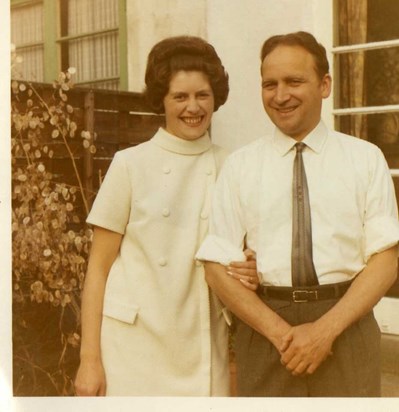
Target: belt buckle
x,y
305,295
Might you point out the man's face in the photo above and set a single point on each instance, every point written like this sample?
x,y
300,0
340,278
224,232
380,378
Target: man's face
x,y
292,92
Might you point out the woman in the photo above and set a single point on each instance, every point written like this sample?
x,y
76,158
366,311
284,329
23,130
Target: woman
x,y
149,323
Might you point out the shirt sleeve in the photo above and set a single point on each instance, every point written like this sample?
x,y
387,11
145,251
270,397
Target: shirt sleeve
x,y
225,239
111,208
381,226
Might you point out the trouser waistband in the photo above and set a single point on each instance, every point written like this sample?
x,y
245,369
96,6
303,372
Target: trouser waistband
x,y
305,293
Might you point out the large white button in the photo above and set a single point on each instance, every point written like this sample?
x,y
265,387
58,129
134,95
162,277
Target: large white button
x,y
209,172
204,215
166,170
162,262
166,212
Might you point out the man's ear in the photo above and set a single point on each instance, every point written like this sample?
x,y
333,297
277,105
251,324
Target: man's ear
x,y
326,84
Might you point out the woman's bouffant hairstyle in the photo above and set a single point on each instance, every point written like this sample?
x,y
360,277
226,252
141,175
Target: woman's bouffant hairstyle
x,y
302,39
186,53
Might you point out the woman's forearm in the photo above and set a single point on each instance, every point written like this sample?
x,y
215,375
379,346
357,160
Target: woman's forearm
x,y
105,249
91,316
90,378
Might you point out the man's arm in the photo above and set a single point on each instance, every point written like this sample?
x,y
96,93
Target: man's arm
x,y
245,304
307,346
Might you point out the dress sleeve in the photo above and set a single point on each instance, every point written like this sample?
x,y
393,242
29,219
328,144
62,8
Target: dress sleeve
x,y
381,227
111,208
225,239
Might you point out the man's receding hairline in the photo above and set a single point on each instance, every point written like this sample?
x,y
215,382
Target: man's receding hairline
x,y
295,46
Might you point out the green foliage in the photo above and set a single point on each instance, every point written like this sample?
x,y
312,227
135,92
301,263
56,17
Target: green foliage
x,y
50,241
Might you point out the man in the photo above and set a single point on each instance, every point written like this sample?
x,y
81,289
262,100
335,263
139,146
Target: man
x,y
318,337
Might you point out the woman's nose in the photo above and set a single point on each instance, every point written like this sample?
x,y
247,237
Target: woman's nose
x,y
193,106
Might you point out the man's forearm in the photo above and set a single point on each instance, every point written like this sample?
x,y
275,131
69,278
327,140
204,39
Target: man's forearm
x,y
245,304
366,290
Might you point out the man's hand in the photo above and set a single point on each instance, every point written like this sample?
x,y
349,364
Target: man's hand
x,y
305,347
245,272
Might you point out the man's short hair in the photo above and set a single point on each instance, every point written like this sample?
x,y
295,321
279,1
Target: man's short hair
x,y
302,39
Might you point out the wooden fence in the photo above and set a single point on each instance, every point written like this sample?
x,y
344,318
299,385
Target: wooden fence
x,y
117,120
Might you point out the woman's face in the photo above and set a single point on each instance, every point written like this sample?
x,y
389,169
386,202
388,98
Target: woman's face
x,y
189,105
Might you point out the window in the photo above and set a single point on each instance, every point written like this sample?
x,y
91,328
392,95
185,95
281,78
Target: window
x,y
90,35
29,39
366,67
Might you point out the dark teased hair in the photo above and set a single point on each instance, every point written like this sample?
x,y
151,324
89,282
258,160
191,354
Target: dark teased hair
x,y
187,53
302,39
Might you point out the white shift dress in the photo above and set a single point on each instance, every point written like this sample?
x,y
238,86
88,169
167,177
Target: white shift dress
x,y
163,333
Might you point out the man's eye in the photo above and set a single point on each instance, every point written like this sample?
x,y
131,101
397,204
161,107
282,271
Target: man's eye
x,y
268,86
296,82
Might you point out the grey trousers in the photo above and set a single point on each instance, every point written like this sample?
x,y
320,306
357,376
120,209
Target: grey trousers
x,y
352,370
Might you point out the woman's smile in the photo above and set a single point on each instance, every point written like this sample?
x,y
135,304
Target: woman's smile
x,y
189,105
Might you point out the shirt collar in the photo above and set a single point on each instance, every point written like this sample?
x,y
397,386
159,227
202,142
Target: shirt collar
x,y
314,140
175,144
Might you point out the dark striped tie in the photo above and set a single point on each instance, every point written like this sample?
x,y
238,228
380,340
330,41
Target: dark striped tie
x,y
302,268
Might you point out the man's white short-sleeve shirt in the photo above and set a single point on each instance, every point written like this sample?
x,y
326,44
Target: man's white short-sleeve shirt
x,y
352,200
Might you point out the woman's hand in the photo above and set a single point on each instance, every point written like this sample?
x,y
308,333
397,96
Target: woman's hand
x,y
90,379
245,272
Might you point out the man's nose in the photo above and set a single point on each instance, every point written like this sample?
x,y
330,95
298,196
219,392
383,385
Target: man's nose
x,y
282,94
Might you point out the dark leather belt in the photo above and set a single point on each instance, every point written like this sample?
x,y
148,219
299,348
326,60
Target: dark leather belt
x,y
305,294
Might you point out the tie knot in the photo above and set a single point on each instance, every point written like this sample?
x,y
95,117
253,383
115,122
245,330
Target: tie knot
x,y
299,147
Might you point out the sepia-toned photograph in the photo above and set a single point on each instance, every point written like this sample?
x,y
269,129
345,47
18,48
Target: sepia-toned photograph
x,y
199,205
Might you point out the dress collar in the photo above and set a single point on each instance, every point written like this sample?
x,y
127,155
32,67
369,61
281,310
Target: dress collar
x,y
175,144
314,140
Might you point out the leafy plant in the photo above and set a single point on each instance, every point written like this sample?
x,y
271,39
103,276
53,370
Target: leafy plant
x,y
50,241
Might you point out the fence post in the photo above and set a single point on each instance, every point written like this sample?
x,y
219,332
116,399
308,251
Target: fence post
x,y
88,159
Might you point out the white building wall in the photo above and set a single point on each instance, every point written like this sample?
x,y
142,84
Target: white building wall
x,y
149,21
238,29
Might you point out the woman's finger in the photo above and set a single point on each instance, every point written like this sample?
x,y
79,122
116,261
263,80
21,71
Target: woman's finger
x,y
248,284
242,271
249,264
250,254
